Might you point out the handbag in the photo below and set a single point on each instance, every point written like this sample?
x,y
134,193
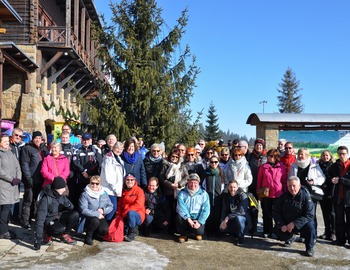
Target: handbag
x,y
316,193
263,192
115,230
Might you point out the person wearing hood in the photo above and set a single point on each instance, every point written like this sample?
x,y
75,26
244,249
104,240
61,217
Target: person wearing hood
x,y
273,176
193,209
131,207
55,215
10,178
94,204
234,210
239,170
255,159
309,173
133,162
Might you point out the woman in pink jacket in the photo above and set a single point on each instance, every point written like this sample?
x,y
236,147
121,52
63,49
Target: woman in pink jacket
x,y
271,175
55,164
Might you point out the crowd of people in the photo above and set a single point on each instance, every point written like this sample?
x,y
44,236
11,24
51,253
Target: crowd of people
x,y
75,185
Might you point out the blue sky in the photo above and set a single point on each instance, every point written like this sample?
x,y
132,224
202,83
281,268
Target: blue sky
x,y
243,48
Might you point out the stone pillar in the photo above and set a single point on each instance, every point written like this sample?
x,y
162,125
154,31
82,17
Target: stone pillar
x,y
269,133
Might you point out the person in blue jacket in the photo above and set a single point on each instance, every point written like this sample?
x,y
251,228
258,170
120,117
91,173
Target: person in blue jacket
x,y
193,209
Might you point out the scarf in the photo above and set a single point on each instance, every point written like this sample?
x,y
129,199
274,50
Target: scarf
x,y
238,166
303,163
174,171
94,194
191,192
131,158
213,171
155,160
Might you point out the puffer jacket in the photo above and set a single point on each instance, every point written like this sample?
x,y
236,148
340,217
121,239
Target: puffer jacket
x,y
274,178
89,205
132,199
50,207
53,167
315,173
9,169
239,170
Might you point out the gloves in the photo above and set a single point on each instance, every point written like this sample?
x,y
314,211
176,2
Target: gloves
x,y
37,244
15,181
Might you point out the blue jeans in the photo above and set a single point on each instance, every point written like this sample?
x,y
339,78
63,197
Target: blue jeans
x,y
236,226
113,199
132,219
148,220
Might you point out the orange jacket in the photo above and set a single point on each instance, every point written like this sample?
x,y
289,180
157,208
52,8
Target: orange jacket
x,y
132,199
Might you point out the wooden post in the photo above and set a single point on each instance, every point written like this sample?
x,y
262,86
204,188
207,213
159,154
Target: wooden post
x,y
2,61
68,22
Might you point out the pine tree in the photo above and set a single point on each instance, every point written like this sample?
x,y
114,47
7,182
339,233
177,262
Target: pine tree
x,y
155,77
212,129
289,99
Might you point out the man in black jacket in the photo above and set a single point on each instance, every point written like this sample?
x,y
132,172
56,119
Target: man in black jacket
x,y
31,161
293,212
55,215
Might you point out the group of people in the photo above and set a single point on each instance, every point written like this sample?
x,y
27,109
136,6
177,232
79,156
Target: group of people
x,y
192,191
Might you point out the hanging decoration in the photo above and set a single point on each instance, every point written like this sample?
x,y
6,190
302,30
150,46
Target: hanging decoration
x,y
47,107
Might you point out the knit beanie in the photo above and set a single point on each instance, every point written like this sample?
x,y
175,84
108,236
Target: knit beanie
x,y
36,134
259,140
58,183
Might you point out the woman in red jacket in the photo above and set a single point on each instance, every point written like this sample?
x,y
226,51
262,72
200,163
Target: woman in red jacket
x,y
55,164
271,175
131,207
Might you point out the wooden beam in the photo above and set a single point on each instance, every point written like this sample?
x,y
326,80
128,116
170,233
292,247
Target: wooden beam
x,y
82,28
88,36
52,61
68,22
76,18
2,61
58,73
61,84
15,63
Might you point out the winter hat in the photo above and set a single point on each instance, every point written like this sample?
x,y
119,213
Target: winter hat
x,y
87,136
58,183
37,134
197,147
194,176
259,140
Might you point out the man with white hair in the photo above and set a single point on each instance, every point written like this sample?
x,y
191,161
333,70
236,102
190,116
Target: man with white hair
x,y
280,146
243,145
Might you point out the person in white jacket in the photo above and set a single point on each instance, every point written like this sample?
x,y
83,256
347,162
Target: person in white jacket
x,y
239,170
112,175
309,173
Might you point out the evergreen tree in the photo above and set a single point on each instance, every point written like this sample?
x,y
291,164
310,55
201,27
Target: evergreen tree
x,y
155,77
212,129
289,98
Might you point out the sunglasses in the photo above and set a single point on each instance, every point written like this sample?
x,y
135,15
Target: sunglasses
x,y
130,179
175,156
214,162
156,151
210,153
95,183
237,155
224,155
190,155
18,135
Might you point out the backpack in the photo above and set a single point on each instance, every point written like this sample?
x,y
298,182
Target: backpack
x,y
115,230
252,215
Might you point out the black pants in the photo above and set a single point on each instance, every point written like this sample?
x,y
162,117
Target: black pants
x,y
75,190
95,225
328,216
4,215
63,225
29,198
266,206
342,222
185,229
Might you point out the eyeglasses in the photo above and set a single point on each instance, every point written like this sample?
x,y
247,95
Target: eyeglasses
x,y
174,156
95,183
288,147
214,162
190,155
156,151
237,155
17,135
130,179
210,153
344,153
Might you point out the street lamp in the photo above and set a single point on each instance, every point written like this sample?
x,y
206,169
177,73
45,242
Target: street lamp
x,y
263,103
